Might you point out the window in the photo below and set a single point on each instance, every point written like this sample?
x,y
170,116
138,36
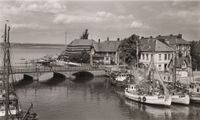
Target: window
x,y
165,56
159,65
147,56
160,57
197,89
143,56
169,56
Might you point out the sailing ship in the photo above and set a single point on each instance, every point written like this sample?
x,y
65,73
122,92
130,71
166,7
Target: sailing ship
x,y
151,89
9,103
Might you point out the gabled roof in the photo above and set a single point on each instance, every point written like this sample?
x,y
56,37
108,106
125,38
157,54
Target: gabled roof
x,y
172,39
107,46
152,44
82,42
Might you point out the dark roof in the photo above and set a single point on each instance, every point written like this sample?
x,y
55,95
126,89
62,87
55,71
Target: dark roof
x,y
82,42
173,39
107,46
152,44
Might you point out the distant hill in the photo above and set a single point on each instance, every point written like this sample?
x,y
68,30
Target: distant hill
x,y
35,45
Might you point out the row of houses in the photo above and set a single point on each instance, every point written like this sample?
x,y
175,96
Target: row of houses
x,y
164,49
168,51
107,52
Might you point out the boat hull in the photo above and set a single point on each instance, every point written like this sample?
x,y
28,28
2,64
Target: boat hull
x,y
195,98
184,99
3,113
154,100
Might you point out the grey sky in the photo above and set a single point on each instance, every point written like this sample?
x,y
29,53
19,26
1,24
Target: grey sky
x,y
45,21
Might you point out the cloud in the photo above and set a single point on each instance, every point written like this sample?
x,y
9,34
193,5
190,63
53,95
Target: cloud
x,y
25,6
98,17
30,26
138,24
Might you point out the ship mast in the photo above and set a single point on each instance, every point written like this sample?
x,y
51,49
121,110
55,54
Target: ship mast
x,y
174,62
6,73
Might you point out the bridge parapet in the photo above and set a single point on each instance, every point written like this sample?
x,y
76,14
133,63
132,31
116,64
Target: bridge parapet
x,y
35,69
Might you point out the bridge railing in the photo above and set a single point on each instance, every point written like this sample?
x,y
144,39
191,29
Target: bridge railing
x,y
31,69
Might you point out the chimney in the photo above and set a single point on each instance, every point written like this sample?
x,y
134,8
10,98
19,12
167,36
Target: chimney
x,y
142,37
118,39
171,35
179,36
151,37
107,38
99,40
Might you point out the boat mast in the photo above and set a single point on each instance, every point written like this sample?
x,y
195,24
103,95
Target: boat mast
x,y
174,62
137,53
6,74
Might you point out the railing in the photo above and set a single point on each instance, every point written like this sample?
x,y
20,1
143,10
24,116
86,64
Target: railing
x,y
32,69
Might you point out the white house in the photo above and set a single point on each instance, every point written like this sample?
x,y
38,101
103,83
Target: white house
x,y
162,53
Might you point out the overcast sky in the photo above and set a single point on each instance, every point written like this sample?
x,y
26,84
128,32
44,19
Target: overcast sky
x,y
45,21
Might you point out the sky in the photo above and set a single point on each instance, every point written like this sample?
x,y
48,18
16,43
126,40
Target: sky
x,y
47,21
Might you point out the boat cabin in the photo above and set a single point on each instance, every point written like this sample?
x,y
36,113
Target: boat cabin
x,y
195,87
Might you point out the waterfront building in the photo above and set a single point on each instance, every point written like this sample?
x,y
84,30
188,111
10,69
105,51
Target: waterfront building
x,y
181,46
183,59
162,53
183,69
106,52
78,46
162,56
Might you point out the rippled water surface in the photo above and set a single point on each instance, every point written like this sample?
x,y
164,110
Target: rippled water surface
x,y
96,100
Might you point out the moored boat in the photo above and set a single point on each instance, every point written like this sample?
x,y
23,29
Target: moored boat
x,y
120,78
179,93
150,89
195,92
181,99
132,93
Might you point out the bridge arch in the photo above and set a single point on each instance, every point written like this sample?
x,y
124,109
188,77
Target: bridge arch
x,y
83,76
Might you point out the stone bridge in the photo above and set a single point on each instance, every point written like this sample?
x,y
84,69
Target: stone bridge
x,y
41,72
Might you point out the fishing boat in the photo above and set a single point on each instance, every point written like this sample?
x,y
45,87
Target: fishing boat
x,y
120,78
179,93
150,90
10,108
195,91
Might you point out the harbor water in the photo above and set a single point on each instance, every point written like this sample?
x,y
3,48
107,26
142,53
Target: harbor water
x,y
89,98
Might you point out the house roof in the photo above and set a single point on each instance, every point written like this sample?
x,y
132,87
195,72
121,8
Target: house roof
x,y
106,46
173,39
152,44
82,42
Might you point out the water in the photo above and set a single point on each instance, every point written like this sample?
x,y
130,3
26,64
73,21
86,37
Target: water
x,y
91,100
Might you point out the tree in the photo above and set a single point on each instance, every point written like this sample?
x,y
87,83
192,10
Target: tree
x,y
195,54
83,57
128,49
85,34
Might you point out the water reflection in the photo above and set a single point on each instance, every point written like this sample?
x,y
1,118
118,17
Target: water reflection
x,y
96,100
